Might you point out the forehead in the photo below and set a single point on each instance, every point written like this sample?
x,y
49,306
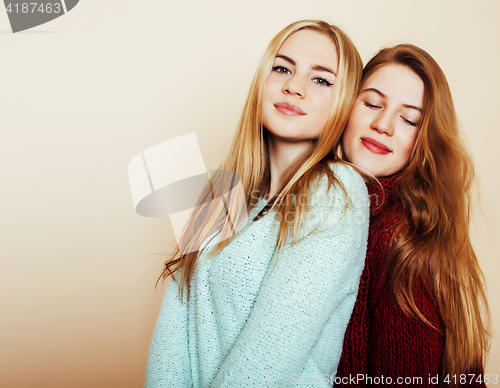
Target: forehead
x,y
310,46
398,83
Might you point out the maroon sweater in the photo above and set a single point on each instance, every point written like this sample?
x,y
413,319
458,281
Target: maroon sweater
x,y
382,342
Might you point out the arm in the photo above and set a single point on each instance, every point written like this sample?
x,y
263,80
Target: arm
x,y
168,360
301,293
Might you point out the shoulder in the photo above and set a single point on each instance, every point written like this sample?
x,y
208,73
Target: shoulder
x,y
349,187
337,205
350,179
345,172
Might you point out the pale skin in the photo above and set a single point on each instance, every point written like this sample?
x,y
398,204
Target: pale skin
x,y
384,121
297,97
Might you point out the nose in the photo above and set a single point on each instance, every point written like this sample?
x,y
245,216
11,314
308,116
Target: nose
x,y
295,85
383,123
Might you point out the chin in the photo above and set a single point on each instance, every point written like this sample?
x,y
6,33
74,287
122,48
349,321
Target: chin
x,y
368,166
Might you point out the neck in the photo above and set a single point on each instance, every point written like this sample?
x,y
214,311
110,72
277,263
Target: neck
x,y
281,156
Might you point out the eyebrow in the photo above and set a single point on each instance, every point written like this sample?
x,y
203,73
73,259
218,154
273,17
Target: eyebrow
x,y
314,67
384,96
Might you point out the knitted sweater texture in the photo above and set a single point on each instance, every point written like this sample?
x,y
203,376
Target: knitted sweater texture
x,y
382,343
256,320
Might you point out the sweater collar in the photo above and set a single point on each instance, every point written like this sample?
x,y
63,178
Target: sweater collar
x,y
381,193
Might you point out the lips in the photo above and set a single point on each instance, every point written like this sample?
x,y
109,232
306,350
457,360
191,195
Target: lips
x,y
375,146
289,109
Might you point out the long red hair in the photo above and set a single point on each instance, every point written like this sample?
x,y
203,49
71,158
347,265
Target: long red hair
x,y
435,190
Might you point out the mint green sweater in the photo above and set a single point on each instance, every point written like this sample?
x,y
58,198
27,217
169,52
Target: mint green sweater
x,y
254,321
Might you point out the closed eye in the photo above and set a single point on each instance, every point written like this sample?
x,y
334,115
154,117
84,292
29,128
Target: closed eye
x,y
371,106
413,124
281,70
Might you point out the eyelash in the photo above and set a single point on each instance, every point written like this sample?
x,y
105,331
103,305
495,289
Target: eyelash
x,y
318,80
281,70
371,106
410,122
322,81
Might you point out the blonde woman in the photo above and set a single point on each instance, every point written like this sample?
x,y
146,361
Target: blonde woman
x,y
268,307
418,317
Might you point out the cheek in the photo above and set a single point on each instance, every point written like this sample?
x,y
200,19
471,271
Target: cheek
x,y
347,141
267,99
354,125
266,91
272,86
323,105
354,128
407,145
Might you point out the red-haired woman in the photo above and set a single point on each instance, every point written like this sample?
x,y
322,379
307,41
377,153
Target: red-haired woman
x,y
418,317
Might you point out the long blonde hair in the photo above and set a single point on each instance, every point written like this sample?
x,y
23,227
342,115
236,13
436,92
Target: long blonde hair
x,y
248,154
435,190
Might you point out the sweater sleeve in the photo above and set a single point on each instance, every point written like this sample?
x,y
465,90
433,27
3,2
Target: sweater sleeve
x,y
304,289
168,362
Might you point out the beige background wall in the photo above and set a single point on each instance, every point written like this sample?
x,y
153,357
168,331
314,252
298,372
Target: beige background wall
x,y
84,94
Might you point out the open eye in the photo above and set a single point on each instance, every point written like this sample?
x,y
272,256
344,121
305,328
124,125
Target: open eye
x,y
281,70
322,81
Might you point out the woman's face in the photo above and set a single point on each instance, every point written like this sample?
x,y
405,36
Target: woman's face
x,y
384,121
298,92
